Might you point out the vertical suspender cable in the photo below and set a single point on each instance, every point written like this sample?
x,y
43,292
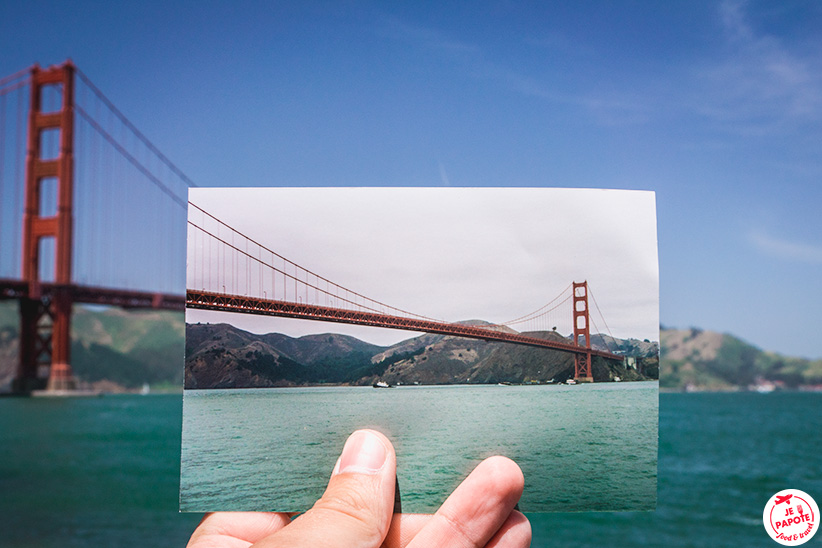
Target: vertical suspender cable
x,y
18,175
2,160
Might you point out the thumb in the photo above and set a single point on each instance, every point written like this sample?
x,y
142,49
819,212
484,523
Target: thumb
x,y
356,509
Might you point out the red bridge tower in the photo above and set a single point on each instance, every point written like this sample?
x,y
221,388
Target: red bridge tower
x,y
45,315
582,362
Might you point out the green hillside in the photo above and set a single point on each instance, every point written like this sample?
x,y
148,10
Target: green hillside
x,y
126,348
129,348
706,360
223,356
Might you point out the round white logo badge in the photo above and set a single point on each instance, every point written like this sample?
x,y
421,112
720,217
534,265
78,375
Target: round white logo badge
x,y
791,517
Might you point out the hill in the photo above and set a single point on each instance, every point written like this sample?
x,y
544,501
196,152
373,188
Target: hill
x,y
223,356
122,350
694,359
111,348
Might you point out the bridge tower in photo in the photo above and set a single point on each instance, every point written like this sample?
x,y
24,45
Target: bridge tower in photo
x,y
45,316
582,334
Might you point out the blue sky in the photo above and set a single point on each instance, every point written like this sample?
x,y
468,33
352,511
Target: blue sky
x,y
716,106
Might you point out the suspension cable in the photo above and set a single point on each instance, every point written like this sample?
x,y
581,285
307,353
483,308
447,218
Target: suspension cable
x,y
134,130
307,271
537,312
113,142
600,313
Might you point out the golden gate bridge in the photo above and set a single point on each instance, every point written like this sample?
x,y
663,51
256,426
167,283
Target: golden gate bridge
x,y
92,212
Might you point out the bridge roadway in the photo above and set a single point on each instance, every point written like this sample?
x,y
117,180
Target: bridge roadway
x,y
205,300
19,289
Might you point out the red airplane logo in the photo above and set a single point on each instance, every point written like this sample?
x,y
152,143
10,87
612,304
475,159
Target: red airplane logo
x,y
780,500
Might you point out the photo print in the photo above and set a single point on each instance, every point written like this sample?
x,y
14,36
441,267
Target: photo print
x,y
460,322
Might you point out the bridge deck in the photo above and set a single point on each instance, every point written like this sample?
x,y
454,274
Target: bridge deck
x,y
19,289
250,305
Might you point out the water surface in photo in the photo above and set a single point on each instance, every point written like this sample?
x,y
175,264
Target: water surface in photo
x,y
588,447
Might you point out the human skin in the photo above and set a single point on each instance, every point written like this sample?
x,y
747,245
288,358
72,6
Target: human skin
x,y
356,510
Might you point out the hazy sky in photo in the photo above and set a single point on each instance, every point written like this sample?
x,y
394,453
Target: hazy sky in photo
x,y
455,254
716,105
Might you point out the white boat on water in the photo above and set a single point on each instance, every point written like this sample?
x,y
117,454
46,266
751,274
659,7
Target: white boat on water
x,y
381,384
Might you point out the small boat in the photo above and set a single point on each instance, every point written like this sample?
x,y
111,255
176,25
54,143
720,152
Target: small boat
x,y
504,383
571,381
617,379
381,384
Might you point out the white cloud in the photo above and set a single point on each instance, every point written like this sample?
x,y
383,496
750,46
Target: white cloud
x,y
427,38
786,249
760,84
755,85
616,107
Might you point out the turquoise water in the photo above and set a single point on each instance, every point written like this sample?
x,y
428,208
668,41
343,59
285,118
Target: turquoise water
x,y
580,447
104,472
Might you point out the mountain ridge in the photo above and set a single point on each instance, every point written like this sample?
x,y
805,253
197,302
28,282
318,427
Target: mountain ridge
x,y
121,350
222,356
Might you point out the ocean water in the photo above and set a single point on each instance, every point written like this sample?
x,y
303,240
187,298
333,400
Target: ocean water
x,y
580,447
105,472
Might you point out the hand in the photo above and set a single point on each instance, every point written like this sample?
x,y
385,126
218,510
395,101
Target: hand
x,y
356,510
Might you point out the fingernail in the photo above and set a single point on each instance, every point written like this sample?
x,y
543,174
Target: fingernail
x,y
363,453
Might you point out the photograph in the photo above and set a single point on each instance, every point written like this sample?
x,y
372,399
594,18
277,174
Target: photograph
x,y
410,274
459,322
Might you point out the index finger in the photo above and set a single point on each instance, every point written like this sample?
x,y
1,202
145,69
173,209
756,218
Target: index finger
x,y
236,529
477,509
